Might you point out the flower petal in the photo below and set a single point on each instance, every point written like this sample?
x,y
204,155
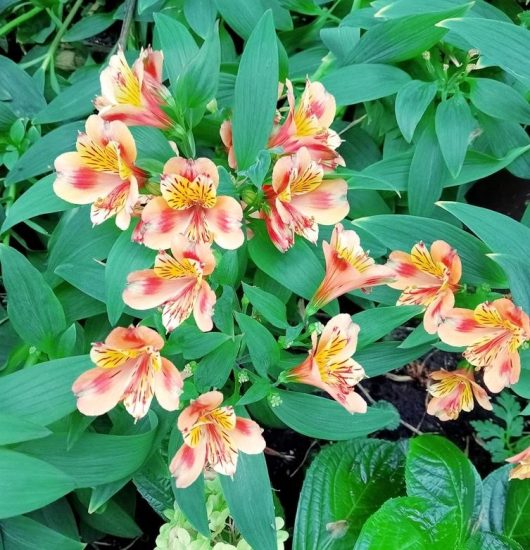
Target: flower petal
x,y
247,436
188,464
134,337
204,403
338,340
224,220
168,385
203,307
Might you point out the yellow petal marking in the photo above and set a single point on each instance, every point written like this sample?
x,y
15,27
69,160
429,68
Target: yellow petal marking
x,y
422,259
181,194
168,267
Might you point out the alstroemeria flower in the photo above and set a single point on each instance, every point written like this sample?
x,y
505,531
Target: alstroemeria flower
x,y
329,365
299,199
492,335
129,369
213,436
226,137
176,284
427,278
308,125
453,393
189,205
101,172
135,95
522,468
348,267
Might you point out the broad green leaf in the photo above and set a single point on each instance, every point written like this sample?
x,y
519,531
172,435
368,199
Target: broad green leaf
x,y
498,100
42,393
404,38
418,337
214,369
490,541
340,41
34,311
344,485
382,357
328,419
364,82
518,272
21,93
27,483
501,233
262,347
495,487
14,429
39,158
412,101
256,92
151,143
153,482
200,15
267,305
193,343
125,257
176,42
517,511
503,44
249,497
432,457
259,389
38,199
399,232
454,124
24,532
426,176
88,27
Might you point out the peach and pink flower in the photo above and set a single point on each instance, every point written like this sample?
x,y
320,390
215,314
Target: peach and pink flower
x,y
522,468
226,137
329,365
177,284
135,95
101,172
453,393
348,268
427,278
189,205
300,198
129,368
213,437
492,335
308,125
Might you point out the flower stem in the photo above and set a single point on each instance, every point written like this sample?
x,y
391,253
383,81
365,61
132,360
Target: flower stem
x,y
19,20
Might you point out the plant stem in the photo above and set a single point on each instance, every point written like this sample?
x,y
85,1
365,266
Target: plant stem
x,y
57,39
127,20
19,20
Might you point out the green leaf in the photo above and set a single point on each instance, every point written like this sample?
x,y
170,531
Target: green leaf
x,y
498,100
176,42
152,143
426,176
88,27
517,512
490,541
37,200
503,44
193,343
153,482
23,532
454,124
14,429
259,389
399,232
256,92
39,158
501,233
214,369
412,101
34,311
200,15
267,305
340,41
495,487
404,38
344,485
249,497
124,257
27,483
518,272
432,457
328,419
22,93
383,357
42,393
364,82
262,347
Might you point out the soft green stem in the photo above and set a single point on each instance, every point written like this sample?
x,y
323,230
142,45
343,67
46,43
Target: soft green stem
x,y
60,33
10,199
127,21
19,20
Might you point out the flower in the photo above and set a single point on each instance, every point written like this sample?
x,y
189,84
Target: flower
x,y
522,470
329,365
189,205
348,268
213,435
308,125
101,172
134,95
492,334
299,199
454,392
177,284
226,137
129,369
428,279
